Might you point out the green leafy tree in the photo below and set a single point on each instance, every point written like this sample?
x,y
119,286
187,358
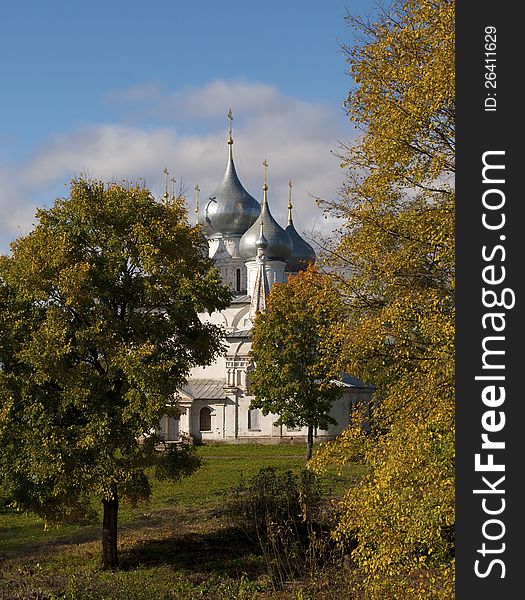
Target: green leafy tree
x,y
397,250
98,328
294,360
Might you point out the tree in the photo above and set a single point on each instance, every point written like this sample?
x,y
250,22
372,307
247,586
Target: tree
x,y
396,251
98,328
294,366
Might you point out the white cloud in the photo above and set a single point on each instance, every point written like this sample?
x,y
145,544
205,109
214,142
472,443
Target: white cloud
x,y
211,101
295,136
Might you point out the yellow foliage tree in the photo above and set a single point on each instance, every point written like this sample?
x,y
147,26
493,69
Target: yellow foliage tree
x,y
397,250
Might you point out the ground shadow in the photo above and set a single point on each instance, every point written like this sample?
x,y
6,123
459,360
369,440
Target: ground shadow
x,y
28,547
226,551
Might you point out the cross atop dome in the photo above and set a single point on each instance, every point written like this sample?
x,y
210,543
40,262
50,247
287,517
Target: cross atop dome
x,y
230,117
290,202
197,190
230,209
166,175
279,242
302,254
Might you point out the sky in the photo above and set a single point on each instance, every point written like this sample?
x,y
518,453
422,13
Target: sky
x,y
120,89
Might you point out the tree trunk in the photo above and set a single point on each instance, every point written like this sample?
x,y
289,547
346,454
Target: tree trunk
x,y
309,442
109,534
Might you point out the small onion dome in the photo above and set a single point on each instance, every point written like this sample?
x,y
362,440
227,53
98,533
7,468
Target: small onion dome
x,y
279,243
230,210
261,242
302,254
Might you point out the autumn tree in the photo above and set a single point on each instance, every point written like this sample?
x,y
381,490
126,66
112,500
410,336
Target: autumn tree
x,y
396,248
98,328
294,358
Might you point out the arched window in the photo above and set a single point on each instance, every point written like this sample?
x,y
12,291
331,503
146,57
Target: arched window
x,y
238,280
205,419
253,419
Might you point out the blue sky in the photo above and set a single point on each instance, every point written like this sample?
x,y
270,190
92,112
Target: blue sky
x,y
121,88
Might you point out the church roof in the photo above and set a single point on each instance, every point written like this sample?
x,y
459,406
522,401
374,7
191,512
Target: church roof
x,y
241,299
279,242
230,210
205,389
302,252
240,333
349,381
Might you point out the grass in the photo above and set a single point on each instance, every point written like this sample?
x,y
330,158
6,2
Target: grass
x,y
178,545
222,467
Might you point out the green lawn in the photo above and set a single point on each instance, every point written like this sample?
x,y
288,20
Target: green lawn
x,y
178,545
222,468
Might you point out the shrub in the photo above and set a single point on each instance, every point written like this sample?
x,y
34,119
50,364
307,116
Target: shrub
x,y
285,514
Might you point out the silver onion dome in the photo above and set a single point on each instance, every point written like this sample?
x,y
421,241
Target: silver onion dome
x,y
279,242
261,243
302,253
230,210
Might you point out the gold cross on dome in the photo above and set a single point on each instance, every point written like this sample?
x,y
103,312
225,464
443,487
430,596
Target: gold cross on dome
x,y
166,174
230,116
290,202
197,190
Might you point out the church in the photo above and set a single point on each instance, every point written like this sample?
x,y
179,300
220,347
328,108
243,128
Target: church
x,y
252,252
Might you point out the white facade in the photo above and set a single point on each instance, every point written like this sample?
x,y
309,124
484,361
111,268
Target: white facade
x,y
215,403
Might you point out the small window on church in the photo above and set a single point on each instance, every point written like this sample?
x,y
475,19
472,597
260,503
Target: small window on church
x,y
205,419
253,419
238,280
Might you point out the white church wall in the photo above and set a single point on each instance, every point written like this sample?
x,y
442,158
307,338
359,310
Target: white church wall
x,y
213,244
168,429
214,371
225,252
216,429
257,427
230,420
274,269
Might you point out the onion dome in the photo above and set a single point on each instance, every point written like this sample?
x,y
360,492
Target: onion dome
x,y
230,210
261,243
302,253
279,243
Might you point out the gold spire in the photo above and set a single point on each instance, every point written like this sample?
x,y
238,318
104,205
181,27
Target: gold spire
x,y
173,188
265,186
230,137
197,190
166,175
230,116
290,202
